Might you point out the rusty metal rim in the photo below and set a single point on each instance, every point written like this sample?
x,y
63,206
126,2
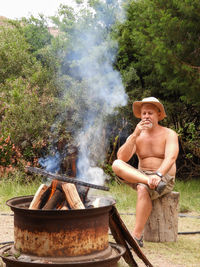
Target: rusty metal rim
x,y
119,251
104,254
21,204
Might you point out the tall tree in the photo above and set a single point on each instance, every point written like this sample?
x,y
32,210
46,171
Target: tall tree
x,y
159,42
28,91
160,39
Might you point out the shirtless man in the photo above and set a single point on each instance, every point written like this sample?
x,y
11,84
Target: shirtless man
x,y
157,149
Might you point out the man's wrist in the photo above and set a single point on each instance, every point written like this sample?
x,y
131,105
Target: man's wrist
x,y
159,174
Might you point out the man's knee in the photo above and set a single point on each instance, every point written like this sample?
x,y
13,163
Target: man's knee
x,y
142,191
117,166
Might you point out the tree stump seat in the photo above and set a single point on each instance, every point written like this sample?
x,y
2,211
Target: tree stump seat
x,y
162,225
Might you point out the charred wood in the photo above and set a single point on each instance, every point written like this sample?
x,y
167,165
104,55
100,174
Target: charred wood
x,y
55,201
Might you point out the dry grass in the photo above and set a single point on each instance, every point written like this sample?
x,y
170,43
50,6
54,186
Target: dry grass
x,y
183,253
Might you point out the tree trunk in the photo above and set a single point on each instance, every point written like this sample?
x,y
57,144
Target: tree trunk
x,y
162,225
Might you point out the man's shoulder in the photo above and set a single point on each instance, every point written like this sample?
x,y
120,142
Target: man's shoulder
x,y
169,131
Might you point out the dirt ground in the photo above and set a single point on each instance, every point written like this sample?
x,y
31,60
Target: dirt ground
x,y
151,252
6,227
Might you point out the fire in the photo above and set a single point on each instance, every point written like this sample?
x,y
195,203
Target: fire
x,y
53,188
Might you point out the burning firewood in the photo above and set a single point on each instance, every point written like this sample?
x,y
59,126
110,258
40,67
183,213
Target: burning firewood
x,y
58,195
64,206
55,201
35,203
72,196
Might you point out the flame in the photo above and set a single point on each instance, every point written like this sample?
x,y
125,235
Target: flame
x,y
60,205
53,188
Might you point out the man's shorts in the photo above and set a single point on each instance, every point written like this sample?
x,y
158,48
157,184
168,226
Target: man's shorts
x,y
168,179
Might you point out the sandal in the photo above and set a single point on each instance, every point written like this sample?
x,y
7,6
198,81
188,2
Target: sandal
x,y
160,187
139,242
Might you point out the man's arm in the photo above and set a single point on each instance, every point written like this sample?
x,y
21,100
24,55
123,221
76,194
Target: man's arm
x,y
171,152
127,150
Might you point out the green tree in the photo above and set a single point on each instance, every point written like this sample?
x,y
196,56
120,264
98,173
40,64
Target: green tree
x,y
28,91
36,32
159,42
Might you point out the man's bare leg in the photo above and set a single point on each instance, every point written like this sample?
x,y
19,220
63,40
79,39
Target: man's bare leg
x,y
143,210
144,203
133,176
128,173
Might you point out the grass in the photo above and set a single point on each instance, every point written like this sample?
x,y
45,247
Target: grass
x,y
10,189
189,196
183,253
124,195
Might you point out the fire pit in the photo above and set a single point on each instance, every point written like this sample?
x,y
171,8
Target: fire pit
x,y
61,237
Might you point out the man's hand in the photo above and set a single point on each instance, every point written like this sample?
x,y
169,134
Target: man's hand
x,y
144,125
153,181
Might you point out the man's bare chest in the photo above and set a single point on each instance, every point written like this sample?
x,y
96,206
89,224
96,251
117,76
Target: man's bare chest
x,y
150,146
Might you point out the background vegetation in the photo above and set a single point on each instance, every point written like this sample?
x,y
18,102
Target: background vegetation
x,y
42,94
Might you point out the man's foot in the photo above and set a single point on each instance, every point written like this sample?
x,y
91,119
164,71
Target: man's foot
x,y
160,187
139,241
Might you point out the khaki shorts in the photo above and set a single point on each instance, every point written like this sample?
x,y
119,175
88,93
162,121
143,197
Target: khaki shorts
x,y
170,181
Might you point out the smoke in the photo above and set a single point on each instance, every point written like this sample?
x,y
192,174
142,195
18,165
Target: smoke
x,y
51,163
93,57
105,92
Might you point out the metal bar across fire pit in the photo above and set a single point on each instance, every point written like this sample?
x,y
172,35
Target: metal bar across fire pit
x,y
65,178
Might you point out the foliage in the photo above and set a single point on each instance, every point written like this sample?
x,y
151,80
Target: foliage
x,y
45,82
158,51
160,40
28,92
14,58
10,156
36,33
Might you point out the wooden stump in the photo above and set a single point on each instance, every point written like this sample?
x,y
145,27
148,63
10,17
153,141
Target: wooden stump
x,y
162,225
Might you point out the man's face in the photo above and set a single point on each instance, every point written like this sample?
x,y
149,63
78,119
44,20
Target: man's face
x,y
150,112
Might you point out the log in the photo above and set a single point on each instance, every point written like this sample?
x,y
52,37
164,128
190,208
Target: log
x,y
122,236
37,199
64,206
72,196
119,238
55,201
162,225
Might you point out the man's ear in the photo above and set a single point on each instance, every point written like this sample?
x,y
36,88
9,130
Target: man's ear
x,y
159,114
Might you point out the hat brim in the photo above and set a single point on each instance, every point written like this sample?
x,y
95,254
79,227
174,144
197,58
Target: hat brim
x,y
137,105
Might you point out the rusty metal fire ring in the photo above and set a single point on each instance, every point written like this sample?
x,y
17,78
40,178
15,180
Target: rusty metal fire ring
x,y
12,260
60,233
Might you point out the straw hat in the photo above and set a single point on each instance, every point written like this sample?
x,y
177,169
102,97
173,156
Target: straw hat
x,y
148,100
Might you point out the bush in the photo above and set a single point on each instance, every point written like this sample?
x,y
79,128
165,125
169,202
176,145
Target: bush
x,y
10,156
